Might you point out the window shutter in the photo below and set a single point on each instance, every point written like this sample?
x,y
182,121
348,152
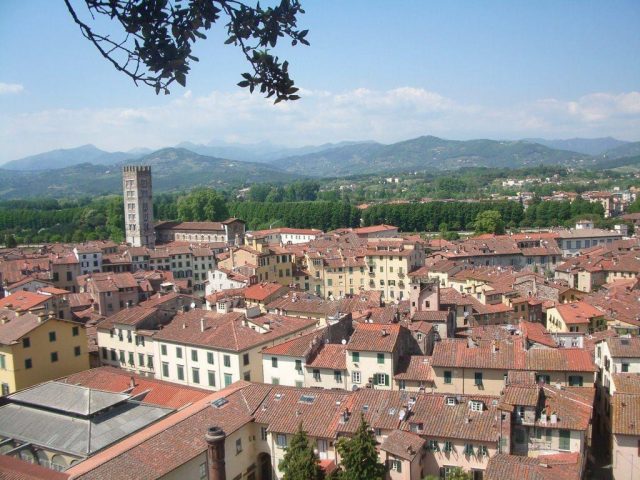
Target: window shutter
x,y
399,465
443,472
386,380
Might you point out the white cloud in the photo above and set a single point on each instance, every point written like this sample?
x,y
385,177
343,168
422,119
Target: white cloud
x,y
10,88
320,116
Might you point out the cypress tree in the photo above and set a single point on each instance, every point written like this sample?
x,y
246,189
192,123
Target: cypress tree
x,y
300,462
359,457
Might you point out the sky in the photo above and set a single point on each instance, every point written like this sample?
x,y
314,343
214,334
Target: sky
x,y
376,70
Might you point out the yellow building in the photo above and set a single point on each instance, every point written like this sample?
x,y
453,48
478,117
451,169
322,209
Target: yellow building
x,y
34,349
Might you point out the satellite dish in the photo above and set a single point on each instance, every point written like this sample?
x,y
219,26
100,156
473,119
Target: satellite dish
x,y
402,414
344,342
193,304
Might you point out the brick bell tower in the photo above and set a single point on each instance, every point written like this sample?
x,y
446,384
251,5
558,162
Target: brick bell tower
x,y
138,206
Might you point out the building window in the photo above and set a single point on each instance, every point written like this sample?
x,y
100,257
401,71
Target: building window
x,y
395,465
113,354
565,440
52,336
434,446
245,359
150,362
3,362
337,375
355,377
54,357
448,446
263,434
316,375
381,379
238,446
476,406
468,449
299,366
544,379
203,471
381,358
478,379
75,331
274,362
163,349
625,367
76,351
180,372
227,379
575,380
26,342
131,362
195,374
281,440
178,352
447,376
194,355
227,360
210,358
355,357
28,363
211,377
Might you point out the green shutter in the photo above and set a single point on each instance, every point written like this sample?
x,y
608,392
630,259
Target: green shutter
x,y
386,380
565,440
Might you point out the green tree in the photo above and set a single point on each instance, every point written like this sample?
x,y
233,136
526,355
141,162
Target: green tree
x,y
10,241
489,221
455,473
158,36
203,204
635,206
359,455
300,462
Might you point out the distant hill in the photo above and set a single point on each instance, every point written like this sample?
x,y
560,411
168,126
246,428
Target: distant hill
x,y
428,153
68,157
588,146
259,152
629,150
173,169
623,163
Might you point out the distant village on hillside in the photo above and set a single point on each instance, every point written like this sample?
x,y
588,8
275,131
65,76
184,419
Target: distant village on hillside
x,y
202,349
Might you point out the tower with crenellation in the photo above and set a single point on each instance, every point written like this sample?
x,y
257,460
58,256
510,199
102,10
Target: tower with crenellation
x,y
138,205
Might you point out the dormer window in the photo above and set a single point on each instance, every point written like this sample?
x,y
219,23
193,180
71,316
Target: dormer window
x,y
451,401
476,406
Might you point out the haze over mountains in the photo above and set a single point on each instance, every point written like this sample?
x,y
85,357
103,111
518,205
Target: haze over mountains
x,y
89,170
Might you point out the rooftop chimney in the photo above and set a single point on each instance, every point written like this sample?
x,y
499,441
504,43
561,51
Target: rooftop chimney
x,y
132,382
215,437
202,324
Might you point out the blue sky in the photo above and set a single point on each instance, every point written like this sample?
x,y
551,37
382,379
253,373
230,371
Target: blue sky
x,y
379,70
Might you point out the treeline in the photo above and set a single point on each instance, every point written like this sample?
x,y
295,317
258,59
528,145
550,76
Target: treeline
x,y
299,191
551,214
434,216
48,220
320,214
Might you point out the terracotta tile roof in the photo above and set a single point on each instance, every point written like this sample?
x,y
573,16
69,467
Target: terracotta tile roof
x,y
148,390
109,282
261,291
230,331
563,466
624,347
536,333
441,420
626,414
626,383
416,368
403,444
577,313
285,408
510,355
128,316
296,347
12,468
430,316
331,356
457,353
14,326
559,359
23,300
374,229
527,395
193,226
54,291
573,405
80,300
373,337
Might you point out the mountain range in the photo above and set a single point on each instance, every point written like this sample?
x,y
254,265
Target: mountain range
x,y
89,170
